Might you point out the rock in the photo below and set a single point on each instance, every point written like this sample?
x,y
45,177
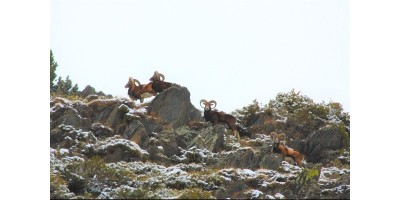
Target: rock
x,y
115,149
242,158
110,148
116,116
101,104
99,130
335,183
101,93
60,137
91,97
173,106
151,125
131,128
66,136
89,90
231,191
66,114
326,138
211,139
140,137
271,161
157,154
169,143
110,112
83,109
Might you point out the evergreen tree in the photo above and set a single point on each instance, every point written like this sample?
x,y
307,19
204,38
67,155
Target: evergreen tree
x,y
67,86
53,67
75,89
59,87
63,87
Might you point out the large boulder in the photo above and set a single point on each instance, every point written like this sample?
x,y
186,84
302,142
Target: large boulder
x,y
210,138
101,131
173,106
63,112
110,112
129,125
245,158
325,139
271,161
89,90
169,143
66,136
115,149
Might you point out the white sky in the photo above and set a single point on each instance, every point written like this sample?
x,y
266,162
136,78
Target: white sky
x,y
229,51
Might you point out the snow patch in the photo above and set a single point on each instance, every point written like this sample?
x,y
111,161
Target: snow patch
x,y
256,194
279,196
64,152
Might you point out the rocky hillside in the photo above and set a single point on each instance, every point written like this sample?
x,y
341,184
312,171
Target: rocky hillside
x,y
105,148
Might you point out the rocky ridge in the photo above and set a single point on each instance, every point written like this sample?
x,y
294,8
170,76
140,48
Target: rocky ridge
x,y
112,148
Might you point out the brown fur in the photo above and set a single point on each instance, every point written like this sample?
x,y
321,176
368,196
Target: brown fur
x,y
279,145
158,83
157,77
215,117
139,91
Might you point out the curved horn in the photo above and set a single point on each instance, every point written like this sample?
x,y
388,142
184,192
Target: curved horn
x,y
129,82
282,135
272,135
203,101
162,76
213,102
134,80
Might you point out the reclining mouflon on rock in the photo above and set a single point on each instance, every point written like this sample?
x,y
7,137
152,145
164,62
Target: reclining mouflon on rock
x,y
216,117
157,82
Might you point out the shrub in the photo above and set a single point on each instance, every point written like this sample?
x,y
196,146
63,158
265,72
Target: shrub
x,y
345,136
290,102
125,192
247,115
79,174
196,193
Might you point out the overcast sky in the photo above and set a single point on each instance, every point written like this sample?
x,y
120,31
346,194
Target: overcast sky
x,y
229,51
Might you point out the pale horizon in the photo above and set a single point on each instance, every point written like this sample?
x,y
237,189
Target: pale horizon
x,y
229,51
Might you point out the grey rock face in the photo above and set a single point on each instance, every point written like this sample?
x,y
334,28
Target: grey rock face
x,y
65,113
271,161
210,138
101,131
173,106
115,149
243,158
89,90
326,138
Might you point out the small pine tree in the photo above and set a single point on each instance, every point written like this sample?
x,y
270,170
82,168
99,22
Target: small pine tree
x,y
63,87
53,75
75,89
59,87
68,86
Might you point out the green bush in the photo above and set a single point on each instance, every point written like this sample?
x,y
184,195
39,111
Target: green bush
x,y
247,115
290,102
196,193
134,193
305,116
80,173
345,136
